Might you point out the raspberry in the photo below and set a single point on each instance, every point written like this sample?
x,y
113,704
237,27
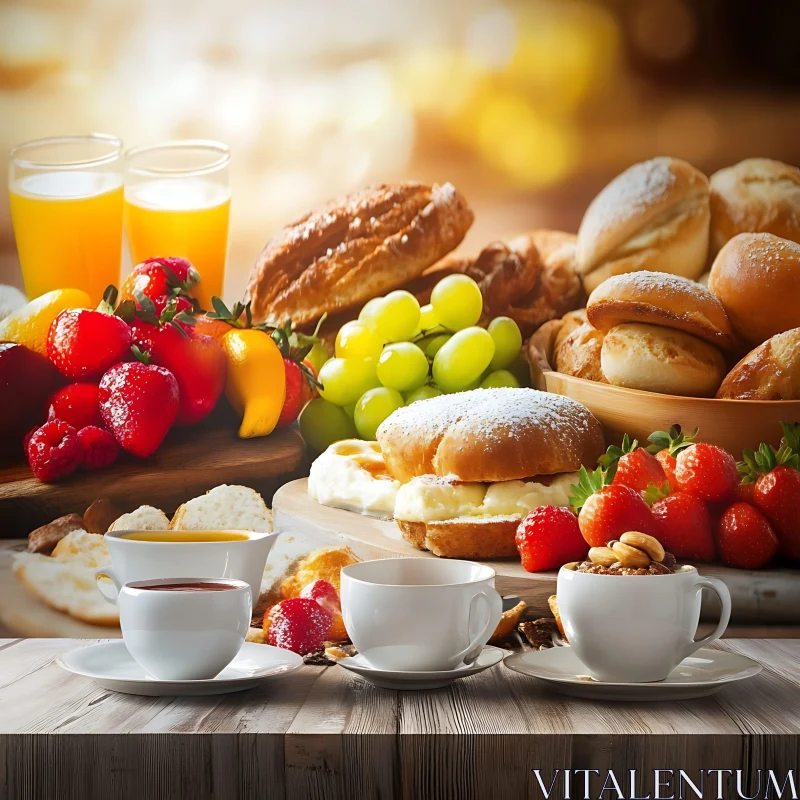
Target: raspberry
x,y
298,624
54,450
98,446
324,593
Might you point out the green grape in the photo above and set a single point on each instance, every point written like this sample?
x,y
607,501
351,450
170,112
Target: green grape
x,y
344,380
397,317
373,407
498,379
358,339
520,369
322,423
423,393
318,355
433,346
457,302
402,366
427,318
350,409
370,310
507,341
462,361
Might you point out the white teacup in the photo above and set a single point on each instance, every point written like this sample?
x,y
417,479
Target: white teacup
x,y
147,555
184,629
419,614
636,629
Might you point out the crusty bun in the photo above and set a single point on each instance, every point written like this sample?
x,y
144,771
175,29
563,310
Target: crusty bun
x,y
757,278
490,435
579,354
663,360
654,216
479,537
757,195
570,321
770,372
660,299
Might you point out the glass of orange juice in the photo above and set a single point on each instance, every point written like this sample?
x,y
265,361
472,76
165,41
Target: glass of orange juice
x,y
66,207
177,203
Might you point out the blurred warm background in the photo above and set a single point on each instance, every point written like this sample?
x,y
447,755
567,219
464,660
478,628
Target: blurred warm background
x,y
529,107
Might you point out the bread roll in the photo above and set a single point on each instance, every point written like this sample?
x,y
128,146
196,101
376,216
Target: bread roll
x,y
477,538
654,216
490,435
570,321
757,195
663,360
770,372
579,354
757,278
660,299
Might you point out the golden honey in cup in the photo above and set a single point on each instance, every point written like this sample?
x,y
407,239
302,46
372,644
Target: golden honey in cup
x,y
186,536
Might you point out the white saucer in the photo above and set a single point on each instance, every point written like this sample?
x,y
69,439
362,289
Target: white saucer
x,y
700,675
399,679
110,665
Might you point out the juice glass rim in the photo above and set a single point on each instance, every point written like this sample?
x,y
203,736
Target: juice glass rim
x,y
223,151
114,142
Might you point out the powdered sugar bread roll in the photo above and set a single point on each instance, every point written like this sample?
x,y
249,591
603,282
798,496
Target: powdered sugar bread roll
x,y
658,298
653,216
662,360
757,278
490,435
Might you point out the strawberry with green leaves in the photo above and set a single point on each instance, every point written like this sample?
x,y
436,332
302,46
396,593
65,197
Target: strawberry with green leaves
x,y
606,509
686,528
636,468
665,446
160,279
776,475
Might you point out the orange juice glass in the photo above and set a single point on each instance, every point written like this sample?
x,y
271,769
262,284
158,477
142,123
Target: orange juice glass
x,y
66,206
177,203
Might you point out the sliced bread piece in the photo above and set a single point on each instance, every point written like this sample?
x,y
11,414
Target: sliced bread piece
x,y
88,549
145,518
224,507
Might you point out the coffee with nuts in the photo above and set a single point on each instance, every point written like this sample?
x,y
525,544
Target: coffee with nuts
x,y
633,553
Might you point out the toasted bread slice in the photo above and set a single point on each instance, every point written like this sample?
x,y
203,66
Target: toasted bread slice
x,y
465,537
145,518
67,586
224,507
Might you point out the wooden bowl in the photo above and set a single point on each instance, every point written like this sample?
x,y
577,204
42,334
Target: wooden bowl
x,y
732,424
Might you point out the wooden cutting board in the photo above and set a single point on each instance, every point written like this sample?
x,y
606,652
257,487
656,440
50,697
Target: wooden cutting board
x,y
770,596
189,462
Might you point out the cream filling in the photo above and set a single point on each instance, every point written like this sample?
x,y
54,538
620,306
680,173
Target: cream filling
x,y
431,499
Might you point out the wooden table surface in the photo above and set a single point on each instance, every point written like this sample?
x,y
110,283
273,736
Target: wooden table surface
x,y
323,732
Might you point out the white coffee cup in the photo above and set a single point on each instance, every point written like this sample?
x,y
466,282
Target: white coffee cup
x,y
134,560
419,614
636,629
180,634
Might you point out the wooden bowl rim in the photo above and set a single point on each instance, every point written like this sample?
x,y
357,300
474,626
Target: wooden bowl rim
x,y
789,405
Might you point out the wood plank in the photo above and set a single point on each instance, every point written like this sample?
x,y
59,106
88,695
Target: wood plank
x,y
191,461
769,596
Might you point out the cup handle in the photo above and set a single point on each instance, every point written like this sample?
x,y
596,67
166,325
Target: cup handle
x,y
721,590
494,605
107,572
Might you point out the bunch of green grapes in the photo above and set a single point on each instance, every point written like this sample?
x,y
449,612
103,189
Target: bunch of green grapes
x,y
397,352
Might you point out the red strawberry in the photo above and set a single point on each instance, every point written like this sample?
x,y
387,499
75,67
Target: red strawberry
x,y
197,361
707,471
324,593
299,391
139,403
666,445
607,511
98,446
636,468
548,538
745,537
181,304
686,528
159,277
776,491
298,624
76,404
53,450
84,344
